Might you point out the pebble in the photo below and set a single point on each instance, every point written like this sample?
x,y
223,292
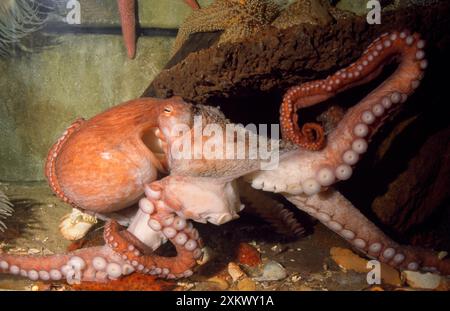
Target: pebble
x,y
246,284
442,255
218,282
208,255
272,271
235,271
347,260
422,280
248,254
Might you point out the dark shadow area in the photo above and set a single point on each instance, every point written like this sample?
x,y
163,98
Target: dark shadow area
x,y
23,221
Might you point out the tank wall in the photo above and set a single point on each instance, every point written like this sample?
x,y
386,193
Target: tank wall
x,y
78,76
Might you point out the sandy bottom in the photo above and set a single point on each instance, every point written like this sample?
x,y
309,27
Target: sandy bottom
x,y
34,230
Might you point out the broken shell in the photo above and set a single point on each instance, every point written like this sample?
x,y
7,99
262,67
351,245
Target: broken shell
x,y
208,254
74,230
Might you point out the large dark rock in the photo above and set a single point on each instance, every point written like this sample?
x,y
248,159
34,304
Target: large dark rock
x,y
277,59
417,200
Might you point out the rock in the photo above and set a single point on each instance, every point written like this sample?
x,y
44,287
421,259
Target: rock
x,y
276,59
272,271
248,255
33,251
305,288
358,7
348,260
303,12
235,271
184,286
419,193
218,283
246,284
422,280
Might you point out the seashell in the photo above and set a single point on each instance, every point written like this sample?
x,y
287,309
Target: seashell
x,y
208,255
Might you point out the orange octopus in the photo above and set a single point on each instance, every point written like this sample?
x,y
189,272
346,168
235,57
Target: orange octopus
x,y
113,160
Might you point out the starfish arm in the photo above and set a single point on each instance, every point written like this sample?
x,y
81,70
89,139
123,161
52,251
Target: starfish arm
x,y
127,10
193,4
199,21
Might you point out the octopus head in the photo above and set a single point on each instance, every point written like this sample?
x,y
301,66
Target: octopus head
x,y
178,117
175,113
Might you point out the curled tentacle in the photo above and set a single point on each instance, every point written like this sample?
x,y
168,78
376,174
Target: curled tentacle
x,y
338,214
163,215
377,105
161,219
186,242
310,172
311,136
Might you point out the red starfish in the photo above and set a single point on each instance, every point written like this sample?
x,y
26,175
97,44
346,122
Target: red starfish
x,y
127,9
193,4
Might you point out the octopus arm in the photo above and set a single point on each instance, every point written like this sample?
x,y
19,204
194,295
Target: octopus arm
x,y
338,214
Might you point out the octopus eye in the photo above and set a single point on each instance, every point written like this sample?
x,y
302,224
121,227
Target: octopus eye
x,y
168,109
